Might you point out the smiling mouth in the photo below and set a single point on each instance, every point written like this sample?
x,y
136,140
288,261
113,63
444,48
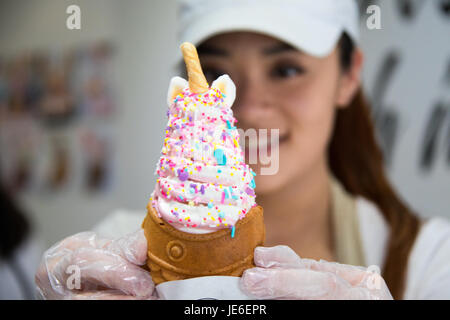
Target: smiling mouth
x,y
267,143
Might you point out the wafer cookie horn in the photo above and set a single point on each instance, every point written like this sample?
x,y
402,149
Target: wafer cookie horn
x,y
197,80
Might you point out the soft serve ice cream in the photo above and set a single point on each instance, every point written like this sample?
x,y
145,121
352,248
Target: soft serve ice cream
x,y
203,183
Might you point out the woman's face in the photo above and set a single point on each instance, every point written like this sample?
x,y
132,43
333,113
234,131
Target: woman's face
x,y
279,87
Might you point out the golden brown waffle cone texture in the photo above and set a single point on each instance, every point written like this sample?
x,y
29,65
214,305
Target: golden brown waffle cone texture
x,y
177,255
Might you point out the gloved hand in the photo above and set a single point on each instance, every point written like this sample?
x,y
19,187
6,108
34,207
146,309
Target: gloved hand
x,y
282,274
86,266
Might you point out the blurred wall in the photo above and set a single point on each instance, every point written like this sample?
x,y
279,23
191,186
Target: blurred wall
x,y
410,55
407,78
143,34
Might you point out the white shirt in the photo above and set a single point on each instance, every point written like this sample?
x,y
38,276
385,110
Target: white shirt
x,y
428,274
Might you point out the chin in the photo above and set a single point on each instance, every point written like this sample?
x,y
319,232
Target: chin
x,y
268,184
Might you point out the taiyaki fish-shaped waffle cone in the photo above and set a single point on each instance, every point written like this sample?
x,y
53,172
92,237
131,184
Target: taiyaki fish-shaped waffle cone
x,y
177,255
202,218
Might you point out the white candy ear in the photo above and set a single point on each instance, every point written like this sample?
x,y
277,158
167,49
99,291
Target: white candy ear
x,y
227,87
176,86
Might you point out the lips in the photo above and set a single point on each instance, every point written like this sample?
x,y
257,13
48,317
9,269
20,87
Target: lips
x,y
255,144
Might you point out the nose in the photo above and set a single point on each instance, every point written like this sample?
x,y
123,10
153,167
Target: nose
x,y
252,101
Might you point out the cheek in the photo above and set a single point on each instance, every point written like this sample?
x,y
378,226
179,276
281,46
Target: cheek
x,y
310,135
310,115
311,127
311,119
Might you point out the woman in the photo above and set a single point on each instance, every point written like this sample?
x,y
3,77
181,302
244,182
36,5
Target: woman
x,y
330,199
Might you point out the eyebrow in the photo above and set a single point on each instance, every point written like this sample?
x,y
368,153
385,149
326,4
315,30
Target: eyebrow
x,y
214,51
278,48
272,50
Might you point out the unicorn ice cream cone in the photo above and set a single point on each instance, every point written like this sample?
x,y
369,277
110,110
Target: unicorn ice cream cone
x,y
202,218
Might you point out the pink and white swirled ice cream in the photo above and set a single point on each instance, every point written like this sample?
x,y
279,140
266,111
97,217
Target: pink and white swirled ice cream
x,y
203,183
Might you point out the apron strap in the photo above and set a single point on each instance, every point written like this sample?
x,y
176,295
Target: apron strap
x,y
347,238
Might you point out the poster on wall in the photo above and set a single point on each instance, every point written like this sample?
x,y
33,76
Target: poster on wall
x,y
57,119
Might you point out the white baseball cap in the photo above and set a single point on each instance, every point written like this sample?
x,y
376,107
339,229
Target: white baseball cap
x,y
313,26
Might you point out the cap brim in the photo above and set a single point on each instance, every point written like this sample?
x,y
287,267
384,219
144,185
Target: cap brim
x,y
313,36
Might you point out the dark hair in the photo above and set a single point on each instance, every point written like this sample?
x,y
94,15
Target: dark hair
x,y
356,160
346,48
14,227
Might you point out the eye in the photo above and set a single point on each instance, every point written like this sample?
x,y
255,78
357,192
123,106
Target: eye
x,y
286,71
212,73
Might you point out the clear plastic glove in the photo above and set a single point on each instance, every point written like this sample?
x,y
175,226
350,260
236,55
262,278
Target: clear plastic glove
x,y
282,274
86,266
